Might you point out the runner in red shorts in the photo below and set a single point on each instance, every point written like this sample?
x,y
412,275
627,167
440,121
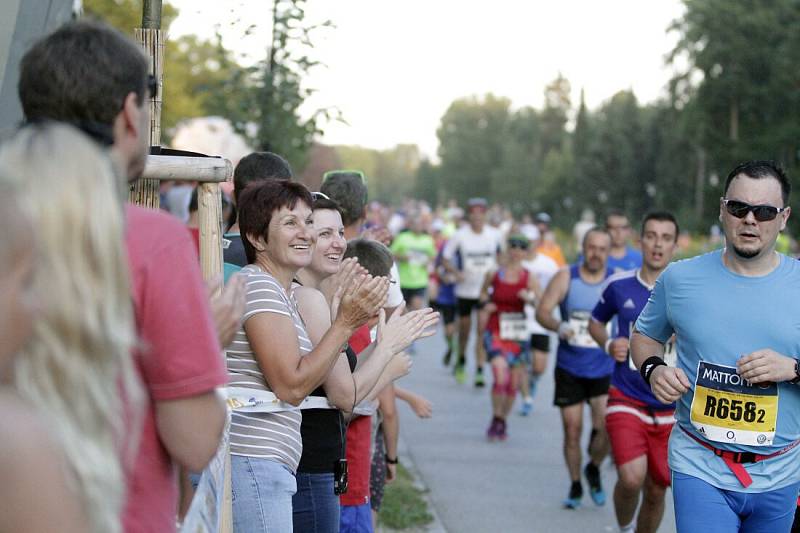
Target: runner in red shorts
x,y
638,425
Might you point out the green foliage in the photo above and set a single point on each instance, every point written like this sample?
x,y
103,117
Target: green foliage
x,y
391,173
203,78
471,145
273,90
125,15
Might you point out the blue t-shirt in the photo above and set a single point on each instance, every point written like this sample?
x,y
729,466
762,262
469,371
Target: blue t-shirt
x,y
625,296
580,355
447,291
631,260
233,255
718,316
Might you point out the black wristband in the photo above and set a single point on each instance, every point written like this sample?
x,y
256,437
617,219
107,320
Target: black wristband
x,y
649,365
390,461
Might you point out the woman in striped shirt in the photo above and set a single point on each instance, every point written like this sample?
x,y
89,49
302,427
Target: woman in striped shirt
x,y
272,364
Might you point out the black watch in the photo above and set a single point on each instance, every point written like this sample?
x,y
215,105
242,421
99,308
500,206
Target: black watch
x,y
796,379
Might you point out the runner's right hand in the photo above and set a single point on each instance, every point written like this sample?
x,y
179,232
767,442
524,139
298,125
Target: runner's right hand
x,y
565,331
668,383
618,349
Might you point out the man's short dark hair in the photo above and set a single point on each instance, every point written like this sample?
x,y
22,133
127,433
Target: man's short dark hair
x,y
259,166
81,74
661,216
349,191
259,201
594,229
762,169
615,213
372,255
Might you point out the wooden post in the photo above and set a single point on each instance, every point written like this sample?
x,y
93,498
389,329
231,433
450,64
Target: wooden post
x,y
144,192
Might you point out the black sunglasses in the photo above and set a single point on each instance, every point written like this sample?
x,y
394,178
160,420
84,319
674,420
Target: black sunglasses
x,y
762,213
518,244
152,85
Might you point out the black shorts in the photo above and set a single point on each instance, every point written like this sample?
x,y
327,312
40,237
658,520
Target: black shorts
x,y
573,389
540,342
464,306
409,294
447,312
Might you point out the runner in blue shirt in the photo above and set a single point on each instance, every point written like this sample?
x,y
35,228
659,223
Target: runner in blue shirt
x,y
735,312
583,369
622,255
638,425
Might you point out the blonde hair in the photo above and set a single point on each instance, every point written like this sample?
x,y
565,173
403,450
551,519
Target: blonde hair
x,y
78,369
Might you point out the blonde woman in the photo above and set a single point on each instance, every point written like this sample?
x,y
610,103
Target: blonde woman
x,y
77,369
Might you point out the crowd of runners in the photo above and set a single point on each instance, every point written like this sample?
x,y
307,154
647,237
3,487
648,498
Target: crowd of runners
x,y
111,408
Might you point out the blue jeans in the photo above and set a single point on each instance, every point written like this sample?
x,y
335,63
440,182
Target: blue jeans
x,y
262,491
703,508
315,508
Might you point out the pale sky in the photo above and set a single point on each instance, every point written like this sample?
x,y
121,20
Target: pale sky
x,y
393,67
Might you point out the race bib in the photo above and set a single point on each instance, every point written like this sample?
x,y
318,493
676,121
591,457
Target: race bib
x,y
728,408
417,258
579,323
513,327
478,263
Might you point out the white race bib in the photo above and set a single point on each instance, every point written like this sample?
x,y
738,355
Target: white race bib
x,y
579,323
513,327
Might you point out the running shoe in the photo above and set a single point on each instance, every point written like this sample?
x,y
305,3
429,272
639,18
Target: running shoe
x,y
460,373
447,357
502,434
493,432
532,382
479,381
573,499
595,485
527,407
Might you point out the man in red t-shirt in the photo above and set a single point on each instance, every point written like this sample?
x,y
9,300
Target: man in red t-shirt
x,y
92,76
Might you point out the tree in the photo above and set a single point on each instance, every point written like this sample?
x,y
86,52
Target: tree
x,y
275,88
471,137
741,89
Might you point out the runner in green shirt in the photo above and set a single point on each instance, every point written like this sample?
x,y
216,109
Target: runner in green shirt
x,y
414,250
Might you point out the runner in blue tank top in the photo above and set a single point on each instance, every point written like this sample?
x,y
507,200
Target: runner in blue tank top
x,y
638,425
736,315
582,367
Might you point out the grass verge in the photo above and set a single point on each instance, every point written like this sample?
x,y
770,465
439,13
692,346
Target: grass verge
x,y
404,506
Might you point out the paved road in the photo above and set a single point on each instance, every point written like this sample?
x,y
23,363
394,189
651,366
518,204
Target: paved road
x,y
511,486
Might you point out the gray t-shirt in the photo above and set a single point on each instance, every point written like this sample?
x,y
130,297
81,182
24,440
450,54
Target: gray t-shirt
x,y
273,436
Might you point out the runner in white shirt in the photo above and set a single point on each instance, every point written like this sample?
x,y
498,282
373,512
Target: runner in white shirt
x,y
469,254
543,268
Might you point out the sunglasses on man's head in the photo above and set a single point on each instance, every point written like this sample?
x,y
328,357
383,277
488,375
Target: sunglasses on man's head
x,y
335,172
152,85
317,195
521,245
762,213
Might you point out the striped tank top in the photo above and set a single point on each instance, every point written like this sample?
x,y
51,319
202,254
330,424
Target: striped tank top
x,y
274,436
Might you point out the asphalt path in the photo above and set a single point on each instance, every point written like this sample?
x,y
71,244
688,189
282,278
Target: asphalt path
x,y
481,486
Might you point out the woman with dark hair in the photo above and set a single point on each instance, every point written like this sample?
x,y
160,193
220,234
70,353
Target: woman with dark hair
x,y
272,364
316,503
